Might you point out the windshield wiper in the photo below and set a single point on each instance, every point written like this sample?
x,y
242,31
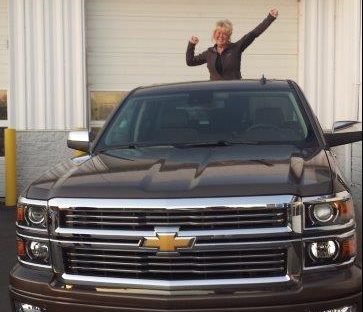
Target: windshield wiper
x,y
216,143
132,145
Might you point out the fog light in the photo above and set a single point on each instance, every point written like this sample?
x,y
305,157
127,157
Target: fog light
x,y
38,251
23,307
345,309
324,250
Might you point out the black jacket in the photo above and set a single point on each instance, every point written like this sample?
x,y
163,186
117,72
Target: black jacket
x,y
231,56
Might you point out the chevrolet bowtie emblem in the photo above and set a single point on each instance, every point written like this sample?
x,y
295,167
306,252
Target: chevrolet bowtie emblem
x,y
167,242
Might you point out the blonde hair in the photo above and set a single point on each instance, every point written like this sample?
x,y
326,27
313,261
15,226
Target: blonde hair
x,y
226,25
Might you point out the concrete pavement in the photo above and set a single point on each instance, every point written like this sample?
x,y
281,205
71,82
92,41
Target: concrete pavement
x,y
7,252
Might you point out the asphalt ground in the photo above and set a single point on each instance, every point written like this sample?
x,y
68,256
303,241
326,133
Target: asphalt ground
x,y
7,253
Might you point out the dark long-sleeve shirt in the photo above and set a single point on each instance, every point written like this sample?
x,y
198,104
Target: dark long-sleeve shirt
x,y
231,57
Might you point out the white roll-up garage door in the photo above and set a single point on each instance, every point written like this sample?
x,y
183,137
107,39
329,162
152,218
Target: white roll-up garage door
x,y
3,45
141,42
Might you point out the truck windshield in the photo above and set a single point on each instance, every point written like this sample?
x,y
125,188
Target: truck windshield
x,y
197,117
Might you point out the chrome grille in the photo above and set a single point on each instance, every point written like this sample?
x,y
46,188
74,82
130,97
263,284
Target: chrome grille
x,y
238,240
187,265
186,219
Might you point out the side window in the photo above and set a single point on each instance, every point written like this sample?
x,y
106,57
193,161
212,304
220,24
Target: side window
x,y
121,130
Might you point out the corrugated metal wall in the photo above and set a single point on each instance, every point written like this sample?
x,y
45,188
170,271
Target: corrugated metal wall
x,y
3,44
140,42
47,63
330,63
330,58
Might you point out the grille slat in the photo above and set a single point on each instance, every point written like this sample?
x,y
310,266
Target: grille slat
x,y
174,258
188,265
167,218
186,219
176,265
183,271
250,222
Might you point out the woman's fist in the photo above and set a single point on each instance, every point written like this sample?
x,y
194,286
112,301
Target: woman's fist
x,y
274,13
194,40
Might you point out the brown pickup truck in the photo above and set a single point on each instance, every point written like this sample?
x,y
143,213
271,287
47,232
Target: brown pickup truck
x,y
194,197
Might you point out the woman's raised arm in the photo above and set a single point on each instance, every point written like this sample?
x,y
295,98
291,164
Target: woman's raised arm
x,y
191,58
251,36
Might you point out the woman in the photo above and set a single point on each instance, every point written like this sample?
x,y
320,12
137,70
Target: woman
x,y
224,59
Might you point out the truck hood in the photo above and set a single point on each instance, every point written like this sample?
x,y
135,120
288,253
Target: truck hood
x,y
167,172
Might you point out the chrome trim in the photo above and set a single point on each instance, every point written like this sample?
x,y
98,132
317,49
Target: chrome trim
x,y
197,247
34,265
47,240
340,126
329,267
79,136
342,196
332,236
173,203
90,243
169,285
323,229
67,232
31,229
35,202
79,140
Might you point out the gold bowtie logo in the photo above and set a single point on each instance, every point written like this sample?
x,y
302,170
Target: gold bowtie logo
x,y
167,242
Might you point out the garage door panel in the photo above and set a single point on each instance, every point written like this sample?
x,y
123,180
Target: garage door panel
x,y
136,42
3,45
138,26
255,68
118,49
190,8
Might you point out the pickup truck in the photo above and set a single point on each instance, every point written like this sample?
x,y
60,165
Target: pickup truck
x,y
202,196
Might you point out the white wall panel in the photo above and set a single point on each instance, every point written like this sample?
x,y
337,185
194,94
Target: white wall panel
x,y
47,63
330,63
138,42
3,44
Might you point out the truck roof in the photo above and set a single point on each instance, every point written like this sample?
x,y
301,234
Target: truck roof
x,y
214,85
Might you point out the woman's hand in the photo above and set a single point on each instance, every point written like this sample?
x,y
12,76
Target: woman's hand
x,y
274,13
194,40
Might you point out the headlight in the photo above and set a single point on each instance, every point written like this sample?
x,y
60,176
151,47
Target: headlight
x,y
337,212
330,252
32,215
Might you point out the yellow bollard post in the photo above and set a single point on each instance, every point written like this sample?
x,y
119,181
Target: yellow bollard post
x,y
79,153
10,167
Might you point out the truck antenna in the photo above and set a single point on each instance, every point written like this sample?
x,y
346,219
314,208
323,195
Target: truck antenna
x,y
263,80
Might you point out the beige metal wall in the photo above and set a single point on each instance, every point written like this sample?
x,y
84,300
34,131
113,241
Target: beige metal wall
x,y
138,42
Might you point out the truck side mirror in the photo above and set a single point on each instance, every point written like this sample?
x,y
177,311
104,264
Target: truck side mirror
x,y
79,140
344,132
